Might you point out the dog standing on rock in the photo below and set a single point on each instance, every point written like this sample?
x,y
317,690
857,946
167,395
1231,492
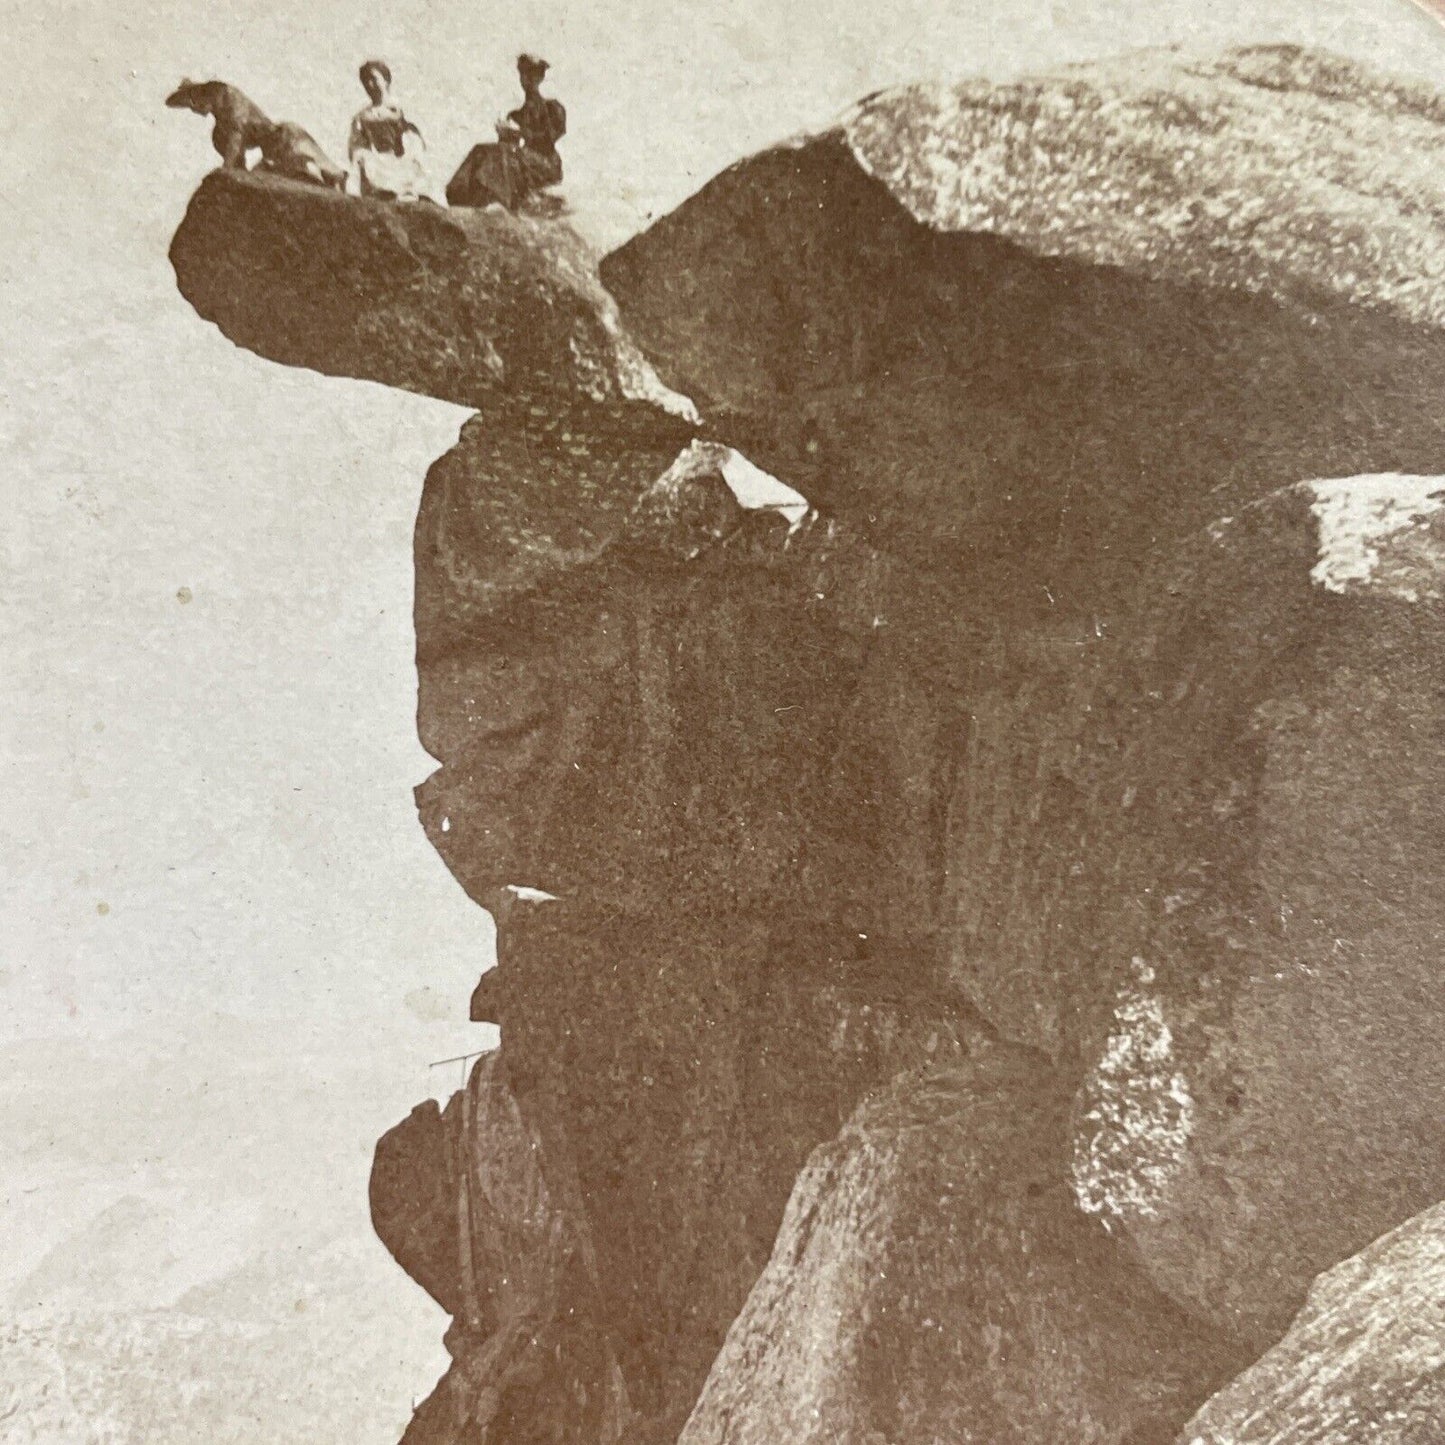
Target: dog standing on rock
x,y
241,126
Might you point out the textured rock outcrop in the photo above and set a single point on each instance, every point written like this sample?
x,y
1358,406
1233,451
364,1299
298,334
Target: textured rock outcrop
x,y
467,306
1266,1102
1365,1360
933,1279
501,1243
1085,702
1186,169
1165,849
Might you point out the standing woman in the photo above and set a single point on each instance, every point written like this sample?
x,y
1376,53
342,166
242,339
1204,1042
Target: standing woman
x,y
386,149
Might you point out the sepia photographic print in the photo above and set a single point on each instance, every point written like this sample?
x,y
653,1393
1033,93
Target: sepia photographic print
x,y
725,724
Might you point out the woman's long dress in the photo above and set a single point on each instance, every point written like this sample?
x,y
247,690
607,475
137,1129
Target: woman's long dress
x,y
510,171
386,150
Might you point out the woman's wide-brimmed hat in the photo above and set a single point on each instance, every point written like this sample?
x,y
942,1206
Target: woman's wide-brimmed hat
x,y
534,63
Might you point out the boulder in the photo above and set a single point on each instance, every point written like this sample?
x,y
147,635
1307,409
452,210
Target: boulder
x,y
1028,333
1365,1359
472,307
1264,1102
934,1280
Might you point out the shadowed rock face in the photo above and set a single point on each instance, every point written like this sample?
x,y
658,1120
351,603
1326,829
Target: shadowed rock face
x,y
1078,715
1294,916
503,1246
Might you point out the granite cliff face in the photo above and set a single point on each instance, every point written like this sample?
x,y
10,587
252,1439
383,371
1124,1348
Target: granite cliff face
x,y
1000,708
1135,429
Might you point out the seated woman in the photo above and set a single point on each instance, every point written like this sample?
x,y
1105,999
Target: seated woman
x,y
386,149
523,160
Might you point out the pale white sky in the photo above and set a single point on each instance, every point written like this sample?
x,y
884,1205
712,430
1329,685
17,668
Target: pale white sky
x,y
229,776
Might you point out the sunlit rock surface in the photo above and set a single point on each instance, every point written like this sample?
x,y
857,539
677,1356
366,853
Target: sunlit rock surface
x,y
1285,171
1032,641
1364,1361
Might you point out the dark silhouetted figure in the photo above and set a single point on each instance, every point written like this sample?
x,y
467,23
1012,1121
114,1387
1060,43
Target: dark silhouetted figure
x,y
241,126
523,159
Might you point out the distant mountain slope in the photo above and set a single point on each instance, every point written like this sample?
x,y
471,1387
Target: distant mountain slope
x,y
285,1349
